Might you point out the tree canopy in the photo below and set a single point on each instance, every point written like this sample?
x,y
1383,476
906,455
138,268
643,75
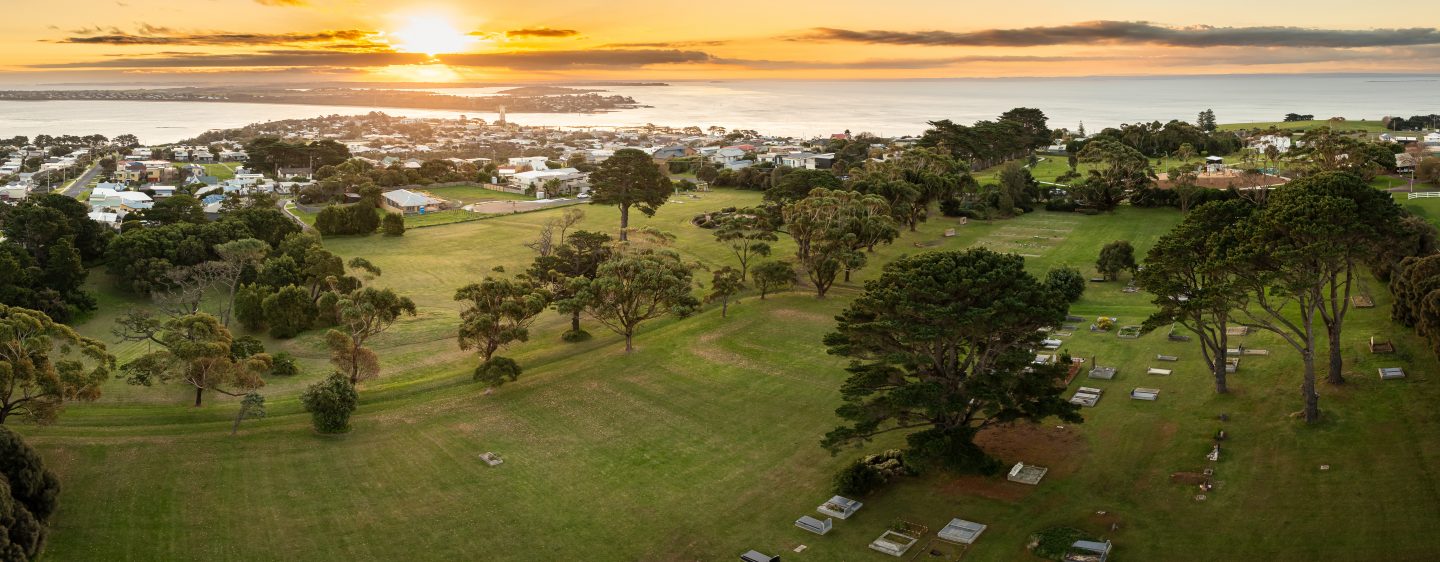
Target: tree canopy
x,y
496,313
29,494
635,287
629,178
942,343
44,364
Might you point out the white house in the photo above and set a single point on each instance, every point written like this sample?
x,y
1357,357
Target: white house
x,y
727,155
1282,144
111,220
534,162
570,180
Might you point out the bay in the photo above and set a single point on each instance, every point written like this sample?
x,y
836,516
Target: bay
x,y
818,108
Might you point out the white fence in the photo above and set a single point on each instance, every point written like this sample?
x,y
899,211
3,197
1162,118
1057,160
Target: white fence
x,y
1423,194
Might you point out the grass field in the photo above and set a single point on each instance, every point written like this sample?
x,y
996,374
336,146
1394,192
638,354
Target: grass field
x,y
222,171
703,443
1354,125
467,194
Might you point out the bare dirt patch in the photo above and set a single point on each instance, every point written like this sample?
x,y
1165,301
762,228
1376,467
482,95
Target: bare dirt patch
x,y
1061,449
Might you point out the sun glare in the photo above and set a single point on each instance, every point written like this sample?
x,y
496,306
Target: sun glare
x,y
430,35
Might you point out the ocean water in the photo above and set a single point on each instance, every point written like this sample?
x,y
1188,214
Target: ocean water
x,y
810,108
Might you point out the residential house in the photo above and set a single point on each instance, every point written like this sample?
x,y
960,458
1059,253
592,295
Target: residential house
x,y
725,156
295,173
534,162
570,180
14,191
1405,163
673,151
410,202
146,171
111,220
1283,144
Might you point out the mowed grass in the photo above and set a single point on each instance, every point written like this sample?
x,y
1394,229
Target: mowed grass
x,y
1368,126
703,443
465,194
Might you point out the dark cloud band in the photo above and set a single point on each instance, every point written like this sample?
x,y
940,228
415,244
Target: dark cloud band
x,y
150,35
1144,33
542,32
516,60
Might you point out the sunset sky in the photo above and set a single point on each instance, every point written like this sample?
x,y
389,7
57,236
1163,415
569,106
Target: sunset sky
x,y
57,41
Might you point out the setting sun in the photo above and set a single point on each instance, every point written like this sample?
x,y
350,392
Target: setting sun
x,y
430,35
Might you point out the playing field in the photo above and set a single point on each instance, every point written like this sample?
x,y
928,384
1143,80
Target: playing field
x,y
703,443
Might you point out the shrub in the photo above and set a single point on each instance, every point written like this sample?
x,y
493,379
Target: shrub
x,y
359,218
497,371
245,346
870,473
952,207
330,403
288,312
283,365
393,224
1053,543
575,336
1060,205
1066,281
249,306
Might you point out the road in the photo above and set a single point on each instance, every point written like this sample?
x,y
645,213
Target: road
x,y
76,188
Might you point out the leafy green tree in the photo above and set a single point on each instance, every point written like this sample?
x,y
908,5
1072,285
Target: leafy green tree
x,y
578,257
249,308
174,209
1372,225
1115,257
748,233
43,365
631,289
1018,187
1066,282
797,184
1120,170
288,311
393,224
942,343
629,178
142,258
29,494
1193,284
264,221
772,276
193,349
725,283
831,228
364,314
42,219
496,313
1206,121
1291,253
330,403
239,256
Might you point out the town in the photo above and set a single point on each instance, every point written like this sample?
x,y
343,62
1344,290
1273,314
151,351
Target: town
x,y
1036,305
